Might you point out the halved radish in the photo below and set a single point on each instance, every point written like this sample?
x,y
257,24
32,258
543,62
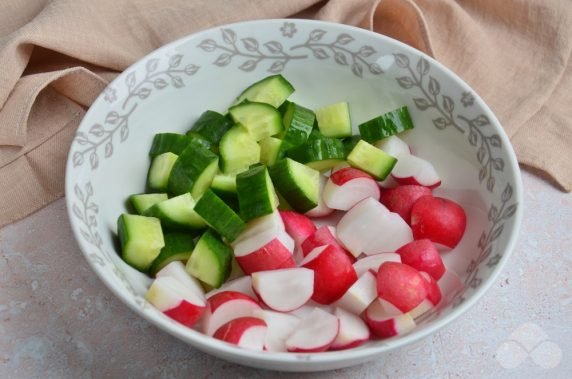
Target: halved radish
x,y
177,270
285,289
267,250
440,220
321,210
450,285
360,295
176,300
324,235
388,183
401,285
347,187
393,146
422,255
246,332
401,199
314,333
433,291
372,262
411,169
333,273
384,323
370,228
297,225
353,330
280,327
242,285
272,221
226,306
306,309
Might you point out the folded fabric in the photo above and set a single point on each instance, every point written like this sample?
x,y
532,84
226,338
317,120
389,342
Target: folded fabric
x,y
57,56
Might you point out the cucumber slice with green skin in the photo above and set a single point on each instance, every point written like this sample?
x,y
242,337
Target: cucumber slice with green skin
x,y
320,153
350,143
160,171
141,240
334,120
193,171
168,143
178,247
298,124
282,203
273,90
372,160
297,183
219,215
211,260
224,186
256,194
143,201
201,140
270,150
177,213
238,150
212,126
260,119
315,134
388,124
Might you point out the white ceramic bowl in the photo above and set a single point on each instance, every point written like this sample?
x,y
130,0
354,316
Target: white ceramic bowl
x,y
168,89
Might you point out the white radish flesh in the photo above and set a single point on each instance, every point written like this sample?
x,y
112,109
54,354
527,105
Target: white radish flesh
x,y
384,323
246,332
372,262
321,210
177,271
315,333
360,295
411,169
284,290
271,221
280,327
394,146
242,285
226,306
353,330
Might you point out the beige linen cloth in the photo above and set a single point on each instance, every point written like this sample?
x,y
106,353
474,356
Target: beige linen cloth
x,y
57,56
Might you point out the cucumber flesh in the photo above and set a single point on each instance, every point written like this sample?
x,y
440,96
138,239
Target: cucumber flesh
x,y
386,125
320,153
372,160
224,185
297,183
270,150
325,164
178,247
238,151
260,119
349,143
256,195
143,201
273,90
211,260
177,213
141,240
334,120
160,171
212,126
219,215
193,171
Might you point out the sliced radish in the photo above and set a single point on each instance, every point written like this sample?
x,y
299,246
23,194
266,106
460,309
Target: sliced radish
x,y
298,226
370,228
176,300
411,169
267,250
401,285
353,330
372,262
246,332
321,210
440,220
339,166
393,146
285,289
422,255
177,271
347,187
401,199
433,291
450,285
280,327
242,285
388,183
272,221
226,306
333,273
360,295
324,235
385,324
314,333
306,309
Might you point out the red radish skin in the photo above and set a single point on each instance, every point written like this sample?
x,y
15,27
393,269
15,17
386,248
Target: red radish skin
x,y
360,295
321,210
414,170
353,330
401,285
324,235
271,256
347,187
245,332
433,291
297,225
401,199
242,285
316,332
440,220
346,174
333,273
372,262
284,290
422,255
384,324
226,306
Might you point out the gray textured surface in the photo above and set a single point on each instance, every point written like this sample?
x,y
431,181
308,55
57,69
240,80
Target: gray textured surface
x,y
57,320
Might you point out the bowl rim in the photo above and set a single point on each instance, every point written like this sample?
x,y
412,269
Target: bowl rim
x,y
224,350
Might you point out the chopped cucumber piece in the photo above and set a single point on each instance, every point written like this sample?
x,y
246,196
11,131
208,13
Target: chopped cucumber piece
x,y
219,215
256,195
350,143
282,203
388,124
211,260
320,153
273,90
193,171
141,240
224,185
160,171
238,150
177,213
372,160
143,201
260,119
298,123
178,247
270,150
212,126
297,183
334,120
201,140
168,143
